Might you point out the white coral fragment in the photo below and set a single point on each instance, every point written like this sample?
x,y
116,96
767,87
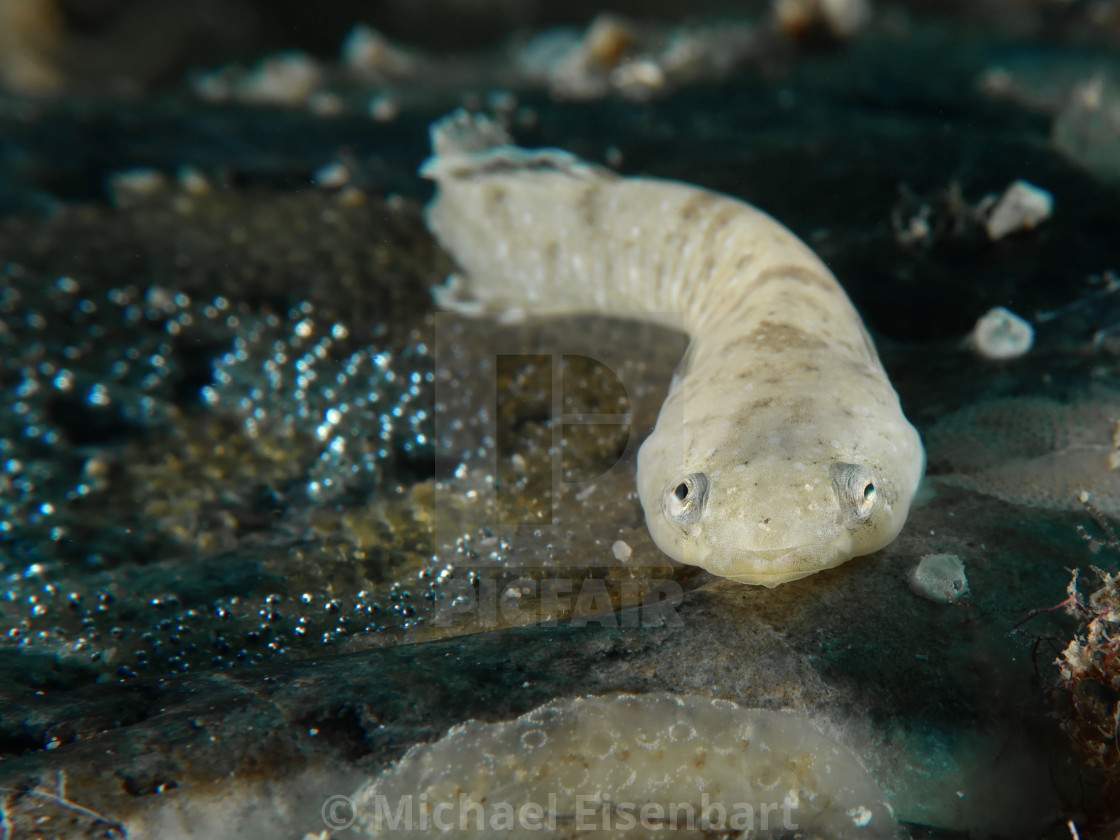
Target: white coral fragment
x,y
286,78
1022,206
635,61
1001,334
842,19
30,45
366,51
134,186
621,551
940,577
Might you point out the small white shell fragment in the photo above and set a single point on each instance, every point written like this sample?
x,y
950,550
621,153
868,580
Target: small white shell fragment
x,y
365,50
286,78
331,176
384,108
325,104
502,101
840,18
192,180
1021,207
621,551
583,73
1001,334
1112,460
215,86
861,816
638,79
133,186
846,17
940,577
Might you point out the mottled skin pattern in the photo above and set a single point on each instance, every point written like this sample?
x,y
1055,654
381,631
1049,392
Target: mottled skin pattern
x,y
781,449
648,748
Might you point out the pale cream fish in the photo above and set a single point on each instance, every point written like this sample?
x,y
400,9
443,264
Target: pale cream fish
x,y
781,448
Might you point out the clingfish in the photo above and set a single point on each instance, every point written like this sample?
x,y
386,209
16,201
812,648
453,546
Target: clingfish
x,y
781,448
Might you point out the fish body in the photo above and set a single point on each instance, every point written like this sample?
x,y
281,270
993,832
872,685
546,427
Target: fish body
x,y
781,448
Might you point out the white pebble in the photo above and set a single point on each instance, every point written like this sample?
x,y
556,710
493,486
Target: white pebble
x,y
365,50
940,577
1021,207
192,180
325,104
846,17
1001,334
638,79
841,18
331,176
384,108
287,78
132,186
621,551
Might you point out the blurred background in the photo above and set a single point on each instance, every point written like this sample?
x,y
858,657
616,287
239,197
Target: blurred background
x,y
46,45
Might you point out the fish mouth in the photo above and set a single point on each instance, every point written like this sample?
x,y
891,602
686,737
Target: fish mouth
x,y
738,560
773,555
779,563
769,567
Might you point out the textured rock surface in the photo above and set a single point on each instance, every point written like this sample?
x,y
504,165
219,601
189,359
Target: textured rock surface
x,y
630,765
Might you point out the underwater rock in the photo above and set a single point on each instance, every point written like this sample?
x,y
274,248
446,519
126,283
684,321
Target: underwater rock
x,y
585,72
840,19
635,61
368,53
1087,128
367,263
258,464
30,46
1032,451
284,79
629,765
135,186
1000,335
940,577
1022,206
364,406
935,702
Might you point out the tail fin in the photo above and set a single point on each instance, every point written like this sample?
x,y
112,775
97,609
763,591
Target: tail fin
x,y
465,145
464,133
528,228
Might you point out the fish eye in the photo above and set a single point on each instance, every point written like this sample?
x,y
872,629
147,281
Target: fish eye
x,y
855,489
684,498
